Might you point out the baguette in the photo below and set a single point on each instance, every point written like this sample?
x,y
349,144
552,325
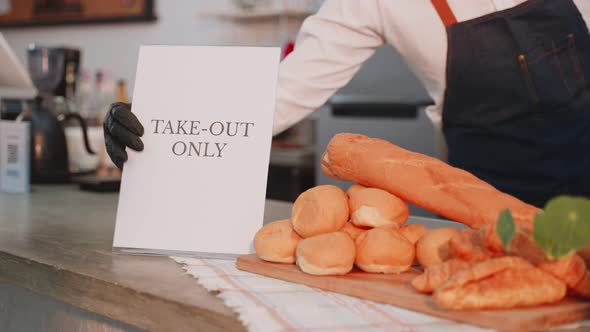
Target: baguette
x,y
422,180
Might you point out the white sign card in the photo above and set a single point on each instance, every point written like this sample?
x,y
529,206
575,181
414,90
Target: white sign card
x,y
14,156
200,184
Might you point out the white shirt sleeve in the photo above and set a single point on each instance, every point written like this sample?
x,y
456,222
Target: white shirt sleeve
x,y
330,48
584,8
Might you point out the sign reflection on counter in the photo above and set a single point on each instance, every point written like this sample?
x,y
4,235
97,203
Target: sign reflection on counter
x,y
199,186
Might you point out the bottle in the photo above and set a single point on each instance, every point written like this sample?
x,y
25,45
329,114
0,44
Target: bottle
x,y
104,95
83,96
122,92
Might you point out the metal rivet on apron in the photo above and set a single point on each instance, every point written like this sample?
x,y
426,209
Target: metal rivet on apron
x,y
571,39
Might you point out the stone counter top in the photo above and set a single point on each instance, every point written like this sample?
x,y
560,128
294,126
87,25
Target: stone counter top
x,y
57,240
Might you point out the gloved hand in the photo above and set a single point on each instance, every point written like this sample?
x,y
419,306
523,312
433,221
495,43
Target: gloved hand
x,y
121,129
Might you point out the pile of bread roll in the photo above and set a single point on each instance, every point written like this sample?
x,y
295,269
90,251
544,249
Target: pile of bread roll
x,y
331,231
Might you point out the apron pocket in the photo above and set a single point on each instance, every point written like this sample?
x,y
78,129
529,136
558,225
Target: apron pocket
x,y
553,74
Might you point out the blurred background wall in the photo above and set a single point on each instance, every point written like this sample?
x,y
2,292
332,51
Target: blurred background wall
x,y
114,47
384,84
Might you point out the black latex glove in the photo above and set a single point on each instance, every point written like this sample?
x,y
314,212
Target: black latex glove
x,y
121,129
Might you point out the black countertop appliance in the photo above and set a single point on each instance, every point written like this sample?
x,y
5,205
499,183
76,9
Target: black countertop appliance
x,y
49,67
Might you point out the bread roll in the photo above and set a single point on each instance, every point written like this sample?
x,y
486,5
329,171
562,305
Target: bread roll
x,y
320,210
413,232
354,188
276,242
384,250
421,180
326,254
433,247
352,231
370,207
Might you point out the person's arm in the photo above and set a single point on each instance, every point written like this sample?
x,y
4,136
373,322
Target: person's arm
x,y
584,8
331,47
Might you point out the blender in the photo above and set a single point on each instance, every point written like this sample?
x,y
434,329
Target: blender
x,y
49,153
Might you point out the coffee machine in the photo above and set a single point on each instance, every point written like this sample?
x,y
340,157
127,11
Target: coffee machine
x,y
66,87
53,72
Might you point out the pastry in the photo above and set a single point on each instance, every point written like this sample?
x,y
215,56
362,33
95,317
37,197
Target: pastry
x,y
499,283
384,250
276,242
433,247
371,207
413,232
326,254
319,210
352,231
438,274
354,188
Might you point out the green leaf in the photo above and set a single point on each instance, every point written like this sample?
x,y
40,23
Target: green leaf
x,y
563,227
505,228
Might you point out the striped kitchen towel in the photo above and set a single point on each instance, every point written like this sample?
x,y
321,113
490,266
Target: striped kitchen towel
x,y
265,304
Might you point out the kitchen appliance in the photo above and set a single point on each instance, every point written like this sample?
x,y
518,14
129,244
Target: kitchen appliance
x,y
48,67
67,81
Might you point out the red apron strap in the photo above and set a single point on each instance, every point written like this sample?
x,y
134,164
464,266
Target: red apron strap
x,y
445,12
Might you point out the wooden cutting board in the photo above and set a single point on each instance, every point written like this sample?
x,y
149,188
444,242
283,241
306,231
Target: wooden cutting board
x,y
396,290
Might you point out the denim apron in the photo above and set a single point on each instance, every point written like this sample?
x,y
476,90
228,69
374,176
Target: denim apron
x,y
516,110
